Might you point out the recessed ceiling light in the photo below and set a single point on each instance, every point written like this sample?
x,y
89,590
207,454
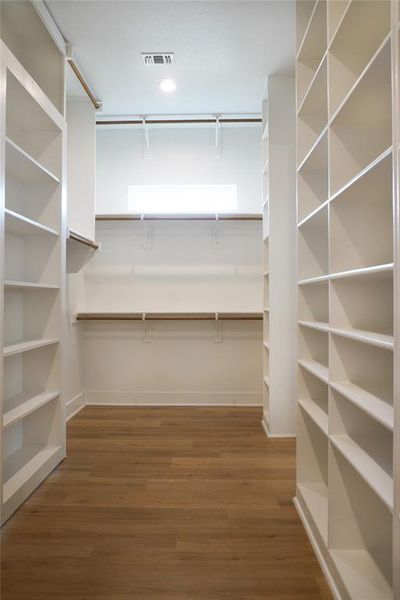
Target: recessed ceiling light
x,y
168,85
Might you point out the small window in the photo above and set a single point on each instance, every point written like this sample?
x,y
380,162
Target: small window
x,y
192,199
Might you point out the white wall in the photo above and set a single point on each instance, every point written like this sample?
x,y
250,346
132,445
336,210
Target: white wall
x,y
179,155
81,179
81,166
183,270
176,266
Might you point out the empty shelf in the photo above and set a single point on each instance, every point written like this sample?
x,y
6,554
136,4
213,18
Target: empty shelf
x,y
368,337
372,404
23,464
318,325
20,225
316,413
20,347
361,574
316,369
315,497
22,285
24,404
370,470
22,167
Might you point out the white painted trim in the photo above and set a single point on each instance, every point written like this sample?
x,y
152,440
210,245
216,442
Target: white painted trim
x,y
116,398
74,406
50,25
314,544
276,435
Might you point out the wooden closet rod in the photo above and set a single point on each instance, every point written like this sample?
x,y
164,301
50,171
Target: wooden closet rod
x,y
150,121
77,237
180,217
184,316
83,83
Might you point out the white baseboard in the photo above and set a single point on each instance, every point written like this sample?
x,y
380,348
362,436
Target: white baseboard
x,y
318,553
173,398
275,435
74,406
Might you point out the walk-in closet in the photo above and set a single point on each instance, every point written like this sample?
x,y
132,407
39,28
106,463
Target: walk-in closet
x,y
199,307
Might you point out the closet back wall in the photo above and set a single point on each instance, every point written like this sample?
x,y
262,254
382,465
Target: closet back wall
x,y
175,266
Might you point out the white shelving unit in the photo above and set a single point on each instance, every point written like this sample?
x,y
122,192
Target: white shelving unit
x,y
279,232
32,235
348,261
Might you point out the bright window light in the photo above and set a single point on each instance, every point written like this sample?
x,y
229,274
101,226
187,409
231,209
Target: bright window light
x,y
182,198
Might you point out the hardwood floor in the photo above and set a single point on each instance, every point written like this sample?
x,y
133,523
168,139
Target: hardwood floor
x,y
164,504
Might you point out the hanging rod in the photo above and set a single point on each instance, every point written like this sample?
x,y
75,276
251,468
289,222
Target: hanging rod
x,y
82,81
77,237
159,316
150,121
180,217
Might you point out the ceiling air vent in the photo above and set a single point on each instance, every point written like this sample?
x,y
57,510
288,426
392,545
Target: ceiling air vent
x,y
158,58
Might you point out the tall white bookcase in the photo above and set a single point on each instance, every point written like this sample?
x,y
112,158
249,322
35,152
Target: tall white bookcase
x,y
348,301
279,244
32,239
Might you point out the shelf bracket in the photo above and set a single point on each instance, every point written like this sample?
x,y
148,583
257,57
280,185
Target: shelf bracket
x,y
217,330
147,235
146,138
218,138
147,333
216,233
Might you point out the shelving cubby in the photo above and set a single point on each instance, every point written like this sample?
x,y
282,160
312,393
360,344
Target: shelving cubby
x,y
312,50
360,534
314,303
362,129
364,374
33,262
27,37
312,473
336,11
313,252
354,46
347,214
313,351
312,180
312,116
357,243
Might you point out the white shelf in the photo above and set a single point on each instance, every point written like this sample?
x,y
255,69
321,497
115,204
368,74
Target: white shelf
x,y
312,50
387,268
27,285
316,413
266,381
20,406
315,368
19,348
367,337
318,325
354,46
313,180
361,575
372,472
23,463
315,497
377,406
361,129
22,167
22,226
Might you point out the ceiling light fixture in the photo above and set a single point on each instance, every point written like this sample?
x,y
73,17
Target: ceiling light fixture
x,y
167,85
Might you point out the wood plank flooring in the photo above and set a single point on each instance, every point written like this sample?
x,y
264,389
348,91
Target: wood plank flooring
x,y
164,504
